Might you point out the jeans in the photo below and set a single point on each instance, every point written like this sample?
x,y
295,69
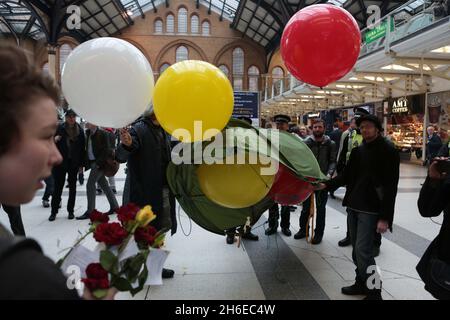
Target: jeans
x,y
321,203
362,227
49,187
59,176
96,176
377,236
163,220
274,215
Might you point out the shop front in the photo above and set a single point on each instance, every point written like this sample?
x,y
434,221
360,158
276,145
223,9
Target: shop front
x,y
438,107
405,125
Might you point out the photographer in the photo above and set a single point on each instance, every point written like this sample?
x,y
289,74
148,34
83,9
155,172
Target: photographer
x,y
434,267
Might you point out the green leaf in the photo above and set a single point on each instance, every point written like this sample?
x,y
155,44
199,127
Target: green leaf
x,y
108,260
100,293
121,284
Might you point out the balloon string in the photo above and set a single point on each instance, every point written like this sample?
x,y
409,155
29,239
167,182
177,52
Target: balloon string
x,y
181,225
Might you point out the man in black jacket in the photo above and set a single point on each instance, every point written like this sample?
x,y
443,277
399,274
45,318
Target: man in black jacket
x,y
146,149
435,198
98,149
434,144
371,176
282,122
324,149
70,141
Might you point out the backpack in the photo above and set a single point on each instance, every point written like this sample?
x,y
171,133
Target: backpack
x,y
9,245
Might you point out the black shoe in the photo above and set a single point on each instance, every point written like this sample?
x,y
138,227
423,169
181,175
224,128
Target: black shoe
x,y
67,186
114,190
376,251
332,196
299,235
286,232
270,231
45,204
292,208
84,216
317,239
98,191
230,238
167,273
250,236
354,290
71,215
374,295
344,242
52,217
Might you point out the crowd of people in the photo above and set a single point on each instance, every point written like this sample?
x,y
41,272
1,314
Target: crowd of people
x,y
35,147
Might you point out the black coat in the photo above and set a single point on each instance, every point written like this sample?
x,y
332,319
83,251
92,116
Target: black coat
x,y
335,136
145,166
25,273
101,147
78,147
325,153
433,145
371,176
433,199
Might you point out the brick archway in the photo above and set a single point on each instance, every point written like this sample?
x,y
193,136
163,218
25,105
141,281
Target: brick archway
x,y
177,43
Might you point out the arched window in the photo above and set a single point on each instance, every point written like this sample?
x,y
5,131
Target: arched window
x,y
64,52
163,68
253,77
238,69
224,69
277,78
194,24
181,54
170,24
182,20
277,73
205,28
158,26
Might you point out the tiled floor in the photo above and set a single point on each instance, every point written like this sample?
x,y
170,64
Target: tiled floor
x,y
275,267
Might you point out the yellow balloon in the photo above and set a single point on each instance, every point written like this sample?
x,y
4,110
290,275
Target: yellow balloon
x,y
191,91
234,185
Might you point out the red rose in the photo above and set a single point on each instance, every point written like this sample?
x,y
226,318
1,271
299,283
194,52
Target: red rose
x,y
146,235
110,233
98,217
97,277
127,213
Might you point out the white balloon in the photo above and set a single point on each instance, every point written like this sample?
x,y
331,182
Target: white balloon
x,y
108,82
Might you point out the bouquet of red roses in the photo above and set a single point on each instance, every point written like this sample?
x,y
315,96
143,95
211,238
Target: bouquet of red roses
x,y
122,261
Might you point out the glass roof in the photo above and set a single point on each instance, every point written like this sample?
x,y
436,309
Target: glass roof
x,y
17,19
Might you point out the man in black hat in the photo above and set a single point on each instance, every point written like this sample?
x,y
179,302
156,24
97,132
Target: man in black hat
x,y
371,177
282,122
70,141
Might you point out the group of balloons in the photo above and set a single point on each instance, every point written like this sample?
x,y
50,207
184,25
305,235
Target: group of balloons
x,y
109,82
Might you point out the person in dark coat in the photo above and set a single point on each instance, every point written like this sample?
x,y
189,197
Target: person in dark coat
x,y
433,199
70,141
282,122
145,146
335,135
371,177
325,151
434,144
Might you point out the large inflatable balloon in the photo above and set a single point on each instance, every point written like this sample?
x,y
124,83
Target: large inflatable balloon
x,y
320,44
193,91
288,189
108,82
234,185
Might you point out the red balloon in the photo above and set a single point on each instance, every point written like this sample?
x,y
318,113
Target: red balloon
x,y
320,44
287,189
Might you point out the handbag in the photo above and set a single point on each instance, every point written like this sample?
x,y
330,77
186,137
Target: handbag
x,y
111,166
